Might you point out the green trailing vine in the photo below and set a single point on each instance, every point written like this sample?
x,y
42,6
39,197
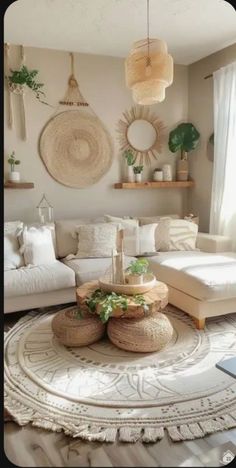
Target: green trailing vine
x,y
24,76
109,301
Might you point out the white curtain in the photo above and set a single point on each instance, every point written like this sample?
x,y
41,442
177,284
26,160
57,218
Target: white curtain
x,y
223,200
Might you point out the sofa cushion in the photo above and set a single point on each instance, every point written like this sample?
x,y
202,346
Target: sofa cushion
x,y
13,258
201,275
89,269
65,230
37,245
38,279
96,240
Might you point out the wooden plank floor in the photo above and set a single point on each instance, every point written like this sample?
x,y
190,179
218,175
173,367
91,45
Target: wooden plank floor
x,y
32,447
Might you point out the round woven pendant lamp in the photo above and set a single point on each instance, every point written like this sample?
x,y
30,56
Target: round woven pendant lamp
x,y
149,69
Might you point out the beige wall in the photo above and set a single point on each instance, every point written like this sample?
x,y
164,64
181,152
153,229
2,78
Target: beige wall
x,y
201,115
101,80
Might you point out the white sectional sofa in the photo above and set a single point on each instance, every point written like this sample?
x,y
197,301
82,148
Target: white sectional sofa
x,y
202,283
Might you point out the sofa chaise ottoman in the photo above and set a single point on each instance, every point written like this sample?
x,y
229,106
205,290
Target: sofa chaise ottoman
x,y
203,284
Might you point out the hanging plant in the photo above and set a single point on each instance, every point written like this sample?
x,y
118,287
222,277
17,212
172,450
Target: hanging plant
x,y
19,79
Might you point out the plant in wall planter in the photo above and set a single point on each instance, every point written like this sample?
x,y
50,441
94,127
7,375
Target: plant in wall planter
x,y
14,176
136,270
185,138
130,160
19,80
138,173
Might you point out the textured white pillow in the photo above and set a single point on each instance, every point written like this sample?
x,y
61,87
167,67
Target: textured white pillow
x,y
37,245
182,235
12,255
96,240
130,233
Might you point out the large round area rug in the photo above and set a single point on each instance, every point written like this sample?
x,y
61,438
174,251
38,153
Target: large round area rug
x,y
100,392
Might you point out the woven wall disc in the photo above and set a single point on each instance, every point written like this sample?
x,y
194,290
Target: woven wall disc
x,y
76,148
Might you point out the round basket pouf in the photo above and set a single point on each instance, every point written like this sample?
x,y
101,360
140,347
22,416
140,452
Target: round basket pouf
x,y
143,335
72,331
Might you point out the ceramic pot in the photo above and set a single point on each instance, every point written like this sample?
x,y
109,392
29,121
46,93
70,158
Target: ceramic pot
x,y
167,172
182,170
130,174
138,177
14,176
158,175
134,279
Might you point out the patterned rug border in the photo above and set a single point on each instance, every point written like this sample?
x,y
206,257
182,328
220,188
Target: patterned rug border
x,y
146,432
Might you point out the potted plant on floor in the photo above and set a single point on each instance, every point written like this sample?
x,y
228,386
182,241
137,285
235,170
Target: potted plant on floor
x,y
185,138
130,160
14,176
138,173
136,270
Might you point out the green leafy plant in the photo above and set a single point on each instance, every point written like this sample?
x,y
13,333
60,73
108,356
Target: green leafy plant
x,y
129,156
138,267
109,301
13,161
27,77
137,169
185,138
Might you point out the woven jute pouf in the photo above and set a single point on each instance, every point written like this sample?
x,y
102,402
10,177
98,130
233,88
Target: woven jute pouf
x,y
143,335
72,331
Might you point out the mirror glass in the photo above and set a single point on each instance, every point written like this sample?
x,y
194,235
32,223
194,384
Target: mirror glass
x,y
141,134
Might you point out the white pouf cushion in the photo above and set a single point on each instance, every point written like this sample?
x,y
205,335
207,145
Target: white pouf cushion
x,y
202,275
38,279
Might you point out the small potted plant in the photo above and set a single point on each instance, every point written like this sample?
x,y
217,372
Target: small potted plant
x,y
19,80
138,173
130,160
14,176
185,138
136,270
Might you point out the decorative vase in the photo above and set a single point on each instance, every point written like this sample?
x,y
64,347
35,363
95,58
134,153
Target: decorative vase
x,y
130,174
14,176
167,172
182,167
158,175
138,177
134,279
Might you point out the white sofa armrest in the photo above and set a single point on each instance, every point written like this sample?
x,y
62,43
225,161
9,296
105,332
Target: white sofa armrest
x,y
213,243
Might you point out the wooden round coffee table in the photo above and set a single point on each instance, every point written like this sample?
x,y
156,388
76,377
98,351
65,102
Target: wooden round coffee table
x,y
156,299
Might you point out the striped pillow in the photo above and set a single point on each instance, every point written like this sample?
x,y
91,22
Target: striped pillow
x,y
182,235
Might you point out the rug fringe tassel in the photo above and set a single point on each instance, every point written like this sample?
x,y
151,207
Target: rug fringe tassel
x,y
129,434
152,434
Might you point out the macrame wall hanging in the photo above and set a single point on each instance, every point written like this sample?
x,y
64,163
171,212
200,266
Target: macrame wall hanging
x,y
19,82
75,146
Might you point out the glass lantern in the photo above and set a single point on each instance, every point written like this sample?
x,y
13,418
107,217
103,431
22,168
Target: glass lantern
x,y
45,210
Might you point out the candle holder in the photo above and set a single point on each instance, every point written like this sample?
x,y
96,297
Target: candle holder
x,y
45,211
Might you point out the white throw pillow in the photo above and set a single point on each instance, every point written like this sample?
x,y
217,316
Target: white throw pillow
x,y
130,233
146,238
37,245
13,258
96,240
182,235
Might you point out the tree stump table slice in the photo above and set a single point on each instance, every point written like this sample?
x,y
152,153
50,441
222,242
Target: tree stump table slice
x,y
156,299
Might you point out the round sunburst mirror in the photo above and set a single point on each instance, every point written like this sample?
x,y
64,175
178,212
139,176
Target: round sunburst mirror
x,y
141,131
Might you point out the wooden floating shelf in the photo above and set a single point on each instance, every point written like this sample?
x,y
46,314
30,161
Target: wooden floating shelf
x,y
18,185
153,185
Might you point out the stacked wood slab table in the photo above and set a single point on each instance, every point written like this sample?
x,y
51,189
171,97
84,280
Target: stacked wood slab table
x,y
135,329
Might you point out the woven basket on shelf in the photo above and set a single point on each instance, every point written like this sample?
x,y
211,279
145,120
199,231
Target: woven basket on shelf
x,y
144,335
72,331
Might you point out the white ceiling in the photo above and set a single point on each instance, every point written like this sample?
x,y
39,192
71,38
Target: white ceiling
x,y
192,29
